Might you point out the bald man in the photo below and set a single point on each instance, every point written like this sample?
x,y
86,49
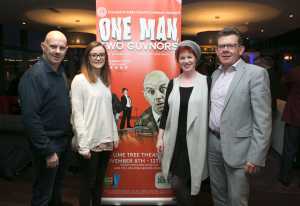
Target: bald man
x,y
46,110
155,86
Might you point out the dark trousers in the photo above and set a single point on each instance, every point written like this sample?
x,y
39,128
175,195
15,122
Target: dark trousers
x,y
126,116
48,182
182,191
92,173
290,150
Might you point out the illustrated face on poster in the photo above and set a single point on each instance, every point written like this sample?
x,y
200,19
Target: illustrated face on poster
x,y
155,86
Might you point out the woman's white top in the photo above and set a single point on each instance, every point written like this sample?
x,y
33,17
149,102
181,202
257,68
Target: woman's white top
x,y
92,116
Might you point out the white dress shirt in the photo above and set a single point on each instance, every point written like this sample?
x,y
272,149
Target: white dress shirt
x,y
128,101
218,95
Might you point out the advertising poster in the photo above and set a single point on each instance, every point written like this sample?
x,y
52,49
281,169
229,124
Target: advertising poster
x,y
141,38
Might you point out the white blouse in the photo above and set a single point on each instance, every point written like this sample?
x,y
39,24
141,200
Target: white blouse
x,y
92,116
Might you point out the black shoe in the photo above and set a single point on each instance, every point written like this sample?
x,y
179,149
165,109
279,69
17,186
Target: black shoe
x,y
278,187
67,204
284,182
62,204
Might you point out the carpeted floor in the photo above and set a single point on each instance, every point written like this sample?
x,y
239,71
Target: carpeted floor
x,y
264,189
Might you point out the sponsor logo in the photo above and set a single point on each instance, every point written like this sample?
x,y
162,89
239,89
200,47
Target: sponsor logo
x,y
101,11
161,182
116,180
112,181
108,182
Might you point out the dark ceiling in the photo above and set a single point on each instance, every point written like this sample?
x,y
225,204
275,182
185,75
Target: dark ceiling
x,y
12,12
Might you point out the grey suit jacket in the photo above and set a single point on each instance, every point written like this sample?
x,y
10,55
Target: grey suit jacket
x,y
245,126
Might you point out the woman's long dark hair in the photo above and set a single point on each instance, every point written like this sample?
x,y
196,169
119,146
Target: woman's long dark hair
x,y
87,69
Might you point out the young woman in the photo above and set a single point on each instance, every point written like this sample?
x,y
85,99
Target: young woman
x,y
182,135
93,122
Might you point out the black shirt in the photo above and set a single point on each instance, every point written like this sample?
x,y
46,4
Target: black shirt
x,y
180,165
45,105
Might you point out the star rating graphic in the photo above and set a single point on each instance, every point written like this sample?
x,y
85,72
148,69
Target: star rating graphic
x,y
119,67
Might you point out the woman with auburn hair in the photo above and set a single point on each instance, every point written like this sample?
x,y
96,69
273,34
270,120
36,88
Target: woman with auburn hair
x,y
95,130
182,135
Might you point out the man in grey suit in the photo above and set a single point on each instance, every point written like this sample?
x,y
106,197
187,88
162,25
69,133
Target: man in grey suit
x,y
239,122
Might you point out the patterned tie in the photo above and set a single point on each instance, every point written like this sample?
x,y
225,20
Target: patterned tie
x,y
158,121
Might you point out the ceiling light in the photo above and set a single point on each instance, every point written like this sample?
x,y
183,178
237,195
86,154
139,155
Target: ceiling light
x,y
79,39
288,57
74,19
24,23
212,15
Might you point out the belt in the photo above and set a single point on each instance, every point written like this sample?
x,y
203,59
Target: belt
x,y
217,134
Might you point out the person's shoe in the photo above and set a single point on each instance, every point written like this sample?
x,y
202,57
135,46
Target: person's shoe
x,y
284,182
278,187
61,204
67,204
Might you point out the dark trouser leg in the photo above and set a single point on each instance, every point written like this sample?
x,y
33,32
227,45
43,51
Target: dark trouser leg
x,y
103,158
290,149
90,173
182,191
57,195
128,117
124,117
44,179
87,178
